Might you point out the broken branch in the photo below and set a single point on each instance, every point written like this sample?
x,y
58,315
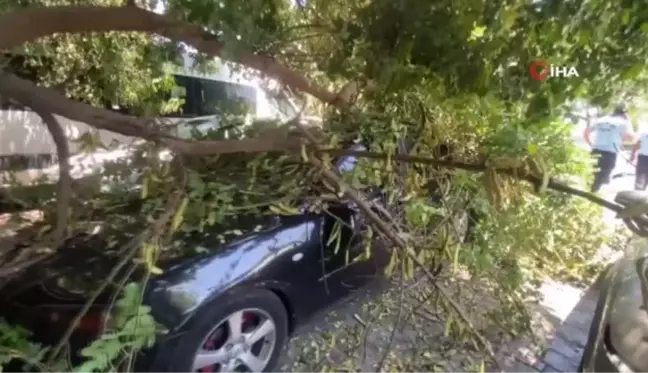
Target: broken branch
x,y
520,174
384,228
46,100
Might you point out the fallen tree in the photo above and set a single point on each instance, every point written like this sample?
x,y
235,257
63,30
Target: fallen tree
x,y
499,129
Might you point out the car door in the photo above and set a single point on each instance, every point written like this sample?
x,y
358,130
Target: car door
x,y
346,264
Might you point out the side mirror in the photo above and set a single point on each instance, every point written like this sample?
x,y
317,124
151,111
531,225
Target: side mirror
x,y
348,162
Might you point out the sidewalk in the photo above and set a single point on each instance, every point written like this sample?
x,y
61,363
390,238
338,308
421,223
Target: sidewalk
x,y
566,350
573,311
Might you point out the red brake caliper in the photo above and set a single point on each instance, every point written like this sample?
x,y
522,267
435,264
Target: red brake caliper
x,y
213,341
248,319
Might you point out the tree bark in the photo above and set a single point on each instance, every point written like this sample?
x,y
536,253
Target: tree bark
x,y
64,192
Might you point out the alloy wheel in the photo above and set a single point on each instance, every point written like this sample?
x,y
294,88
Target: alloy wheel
x,y
244,341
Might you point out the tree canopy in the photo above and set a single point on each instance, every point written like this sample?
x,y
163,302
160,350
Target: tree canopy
x,y
450,75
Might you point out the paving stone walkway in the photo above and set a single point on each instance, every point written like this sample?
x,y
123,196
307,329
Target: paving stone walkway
x,y
566,349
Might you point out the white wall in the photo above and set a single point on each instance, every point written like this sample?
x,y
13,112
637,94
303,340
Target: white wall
x,y
23,132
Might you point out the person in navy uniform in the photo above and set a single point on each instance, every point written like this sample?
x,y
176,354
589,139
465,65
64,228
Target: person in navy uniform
x,y
640,158
610,133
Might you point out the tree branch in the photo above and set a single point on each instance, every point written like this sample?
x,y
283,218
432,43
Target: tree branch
x,y
46,100
384,228
64,192
516,173
26,25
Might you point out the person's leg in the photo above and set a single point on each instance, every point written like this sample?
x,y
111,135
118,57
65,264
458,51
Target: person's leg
x,y
641,173
606,164
609,163
598,173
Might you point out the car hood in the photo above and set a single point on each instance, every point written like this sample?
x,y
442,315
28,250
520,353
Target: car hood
x,y
233,232
97,254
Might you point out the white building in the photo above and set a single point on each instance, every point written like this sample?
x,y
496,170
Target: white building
x,y
26,145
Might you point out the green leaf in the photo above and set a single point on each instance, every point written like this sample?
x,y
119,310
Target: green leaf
x,y
584,37
211,217
633,72
179,215
448,326
625,19
455,259
477,32
409,268
644,27
389,270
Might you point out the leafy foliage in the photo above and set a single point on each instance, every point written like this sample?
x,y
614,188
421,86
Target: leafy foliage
x,y
553,239
447,74
102,69
16,346
130,329
134,329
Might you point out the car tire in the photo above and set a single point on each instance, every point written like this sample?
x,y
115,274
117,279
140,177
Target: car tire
x,y
181,353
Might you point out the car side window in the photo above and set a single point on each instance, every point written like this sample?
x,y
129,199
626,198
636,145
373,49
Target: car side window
x,y
185,89
213,92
